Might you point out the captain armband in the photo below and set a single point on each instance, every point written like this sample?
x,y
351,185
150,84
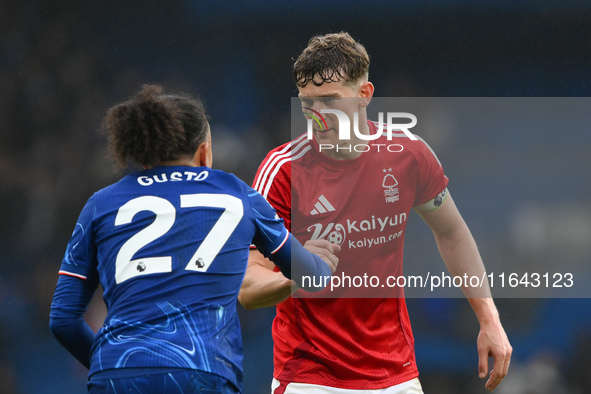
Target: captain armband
x,y
434,203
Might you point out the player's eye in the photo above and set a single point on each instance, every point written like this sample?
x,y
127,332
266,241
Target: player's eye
x,y
306,102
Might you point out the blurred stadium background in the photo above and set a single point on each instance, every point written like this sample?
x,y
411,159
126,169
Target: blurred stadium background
x,y
525,196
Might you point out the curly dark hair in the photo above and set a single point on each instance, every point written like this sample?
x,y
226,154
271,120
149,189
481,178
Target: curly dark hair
x,y
153,127
332,58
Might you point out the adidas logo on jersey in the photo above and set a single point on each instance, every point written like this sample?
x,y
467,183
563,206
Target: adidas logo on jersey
x,y
322,206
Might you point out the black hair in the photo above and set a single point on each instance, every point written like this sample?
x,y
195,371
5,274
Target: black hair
x,y
153,127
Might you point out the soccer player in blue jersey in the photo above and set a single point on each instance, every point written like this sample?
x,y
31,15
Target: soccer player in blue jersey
x,y
169,245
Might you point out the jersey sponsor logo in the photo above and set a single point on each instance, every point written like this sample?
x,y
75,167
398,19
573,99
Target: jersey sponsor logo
x,y
338,232
335,233
322,206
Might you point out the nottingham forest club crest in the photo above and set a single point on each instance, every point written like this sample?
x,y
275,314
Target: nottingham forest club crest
x,y
389,184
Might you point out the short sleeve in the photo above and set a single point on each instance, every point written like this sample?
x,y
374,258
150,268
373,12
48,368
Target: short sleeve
x,y
273,182
80,257
432,179
271,233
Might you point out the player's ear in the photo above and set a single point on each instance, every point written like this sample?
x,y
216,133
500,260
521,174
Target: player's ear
x,y
366,93
204,155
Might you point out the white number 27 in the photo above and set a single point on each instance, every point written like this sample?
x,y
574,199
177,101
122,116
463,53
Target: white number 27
x,y
126,267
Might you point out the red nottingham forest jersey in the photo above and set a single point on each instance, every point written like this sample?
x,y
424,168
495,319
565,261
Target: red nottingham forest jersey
x,y
354,337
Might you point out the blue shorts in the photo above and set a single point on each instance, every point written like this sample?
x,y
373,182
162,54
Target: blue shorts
x,y
180,381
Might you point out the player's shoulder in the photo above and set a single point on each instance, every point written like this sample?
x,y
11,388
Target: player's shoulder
x,y
397,140
107,191
221,174
228,181
291,150
277,163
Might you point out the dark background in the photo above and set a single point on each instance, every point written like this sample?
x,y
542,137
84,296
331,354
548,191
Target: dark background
x,y
525,198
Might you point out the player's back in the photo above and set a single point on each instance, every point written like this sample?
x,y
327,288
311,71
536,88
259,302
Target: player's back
x,y
172,246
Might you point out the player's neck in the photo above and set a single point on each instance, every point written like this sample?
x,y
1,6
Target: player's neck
x,y
181,162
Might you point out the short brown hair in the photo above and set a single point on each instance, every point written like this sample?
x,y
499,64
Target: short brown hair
x,y
332,57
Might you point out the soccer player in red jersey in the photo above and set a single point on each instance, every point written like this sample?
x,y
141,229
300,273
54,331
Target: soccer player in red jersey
x,y
360,199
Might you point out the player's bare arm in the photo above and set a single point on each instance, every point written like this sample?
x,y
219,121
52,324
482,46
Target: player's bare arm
x,y
263,287
460,254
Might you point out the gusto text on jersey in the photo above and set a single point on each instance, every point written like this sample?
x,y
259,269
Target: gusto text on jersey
x,y
174,177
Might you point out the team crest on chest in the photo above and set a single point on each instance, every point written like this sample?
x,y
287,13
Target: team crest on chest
x,y
390,184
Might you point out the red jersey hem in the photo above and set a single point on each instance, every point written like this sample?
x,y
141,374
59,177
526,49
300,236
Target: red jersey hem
x,y
350,385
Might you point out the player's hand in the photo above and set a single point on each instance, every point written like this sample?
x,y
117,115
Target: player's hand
x,y
493,342
325,250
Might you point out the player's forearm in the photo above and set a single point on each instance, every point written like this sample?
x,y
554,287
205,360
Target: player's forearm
x,y
462,258
75,336
66,317
263,288
485,310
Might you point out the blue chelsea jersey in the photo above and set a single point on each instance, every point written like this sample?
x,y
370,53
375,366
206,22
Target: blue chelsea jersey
x,y
169,246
